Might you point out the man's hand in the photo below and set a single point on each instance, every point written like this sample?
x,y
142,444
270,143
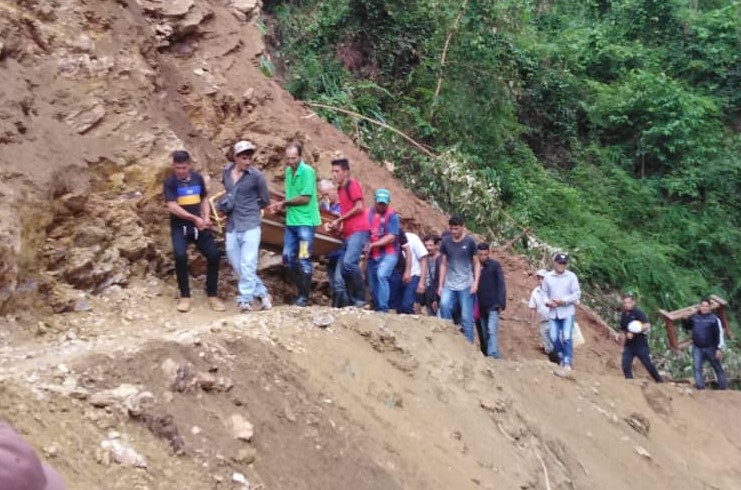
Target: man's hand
x,y
629,336
200,223
277,207
440,291
421,287
334,224
406,278
207,224
435,307
474,288
719,354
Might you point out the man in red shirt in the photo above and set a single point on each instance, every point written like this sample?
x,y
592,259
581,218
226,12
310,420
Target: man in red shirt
x,y
353,223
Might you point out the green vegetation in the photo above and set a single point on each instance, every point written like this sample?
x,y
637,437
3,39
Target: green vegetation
x,y
610,127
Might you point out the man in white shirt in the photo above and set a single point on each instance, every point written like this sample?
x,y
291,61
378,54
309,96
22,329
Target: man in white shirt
x,y
416,268
561,288
539,313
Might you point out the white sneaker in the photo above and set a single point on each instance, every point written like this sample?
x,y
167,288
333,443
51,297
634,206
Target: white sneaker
x,y
244,307
266,302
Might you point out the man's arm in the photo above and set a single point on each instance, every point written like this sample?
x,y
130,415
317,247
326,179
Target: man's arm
x,y
575,292
501,288
476,274
175,208
264,193
443,273
408,263
422,274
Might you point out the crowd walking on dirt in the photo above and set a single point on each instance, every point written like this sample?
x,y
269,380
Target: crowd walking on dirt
x,y
381,266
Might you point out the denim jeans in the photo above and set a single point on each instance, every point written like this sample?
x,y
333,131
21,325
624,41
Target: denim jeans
x,y
182,236
379,273
396,289
699,356
545,336
490,330
242,250
408,296
638,348
448,302
352,249
561,331
334,276
298,246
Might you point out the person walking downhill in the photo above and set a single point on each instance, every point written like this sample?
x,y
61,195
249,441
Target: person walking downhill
x,y
247,195
432,279
562,291
302,216
415,269
190,222
331,202
707,345
539,316
459,275
383,248
634,326
353,223
492,296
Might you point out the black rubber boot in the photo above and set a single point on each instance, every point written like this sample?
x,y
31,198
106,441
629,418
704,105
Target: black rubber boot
x,y
304,289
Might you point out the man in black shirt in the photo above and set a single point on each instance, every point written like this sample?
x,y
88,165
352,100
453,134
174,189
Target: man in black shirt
x,y
706,345
190,222
634,340
492,297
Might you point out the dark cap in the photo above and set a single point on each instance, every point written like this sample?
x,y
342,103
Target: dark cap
x,y
561,258
180,156
20,468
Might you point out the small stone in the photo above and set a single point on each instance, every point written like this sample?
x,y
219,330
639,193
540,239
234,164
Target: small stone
x,y
642,451
239,478
195,430
114,396
322,321
123,454
206,381
242,429
51,451
246,455
170,368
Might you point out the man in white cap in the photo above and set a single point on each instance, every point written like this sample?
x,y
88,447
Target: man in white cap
x,y
20,467
247,195
539,312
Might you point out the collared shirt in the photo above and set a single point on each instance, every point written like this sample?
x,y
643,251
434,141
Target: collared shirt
x,y
564,287
250,198
537,303
302,183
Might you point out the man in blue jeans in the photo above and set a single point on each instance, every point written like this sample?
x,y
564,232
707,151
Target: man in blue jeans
x,y
492,296
353,223
190,222
561,290
331,202
707,344
459,275
249,191
302,216
383,249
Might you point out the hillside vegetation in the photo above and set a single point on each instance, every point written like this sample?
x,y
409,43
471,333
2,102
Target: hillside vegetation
x,y
609,127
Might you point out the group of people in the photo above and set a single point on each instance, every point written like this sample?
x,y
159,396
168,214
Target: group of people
x,y
450,276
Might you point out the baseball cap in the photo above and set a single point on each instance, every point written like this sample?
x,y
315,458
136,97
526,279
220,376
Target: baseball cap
x,y
180,156
541,273
561,258
21,468
243,146
383,196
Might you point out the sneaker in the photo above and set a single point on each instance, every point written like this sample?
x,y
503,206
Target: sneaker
x,y
183,305
244,307
266,302
216,304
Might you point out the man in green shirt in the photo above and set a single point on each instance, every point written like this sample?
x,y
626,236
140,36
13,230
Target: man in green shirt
x,y
302,216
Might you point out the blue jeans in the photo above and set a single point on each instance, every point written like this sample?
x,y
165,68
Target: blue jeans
x,y
561,331
242,250
396,289
334,276
298,246
699,356
490,329
448,302
408,296
352,249
379,273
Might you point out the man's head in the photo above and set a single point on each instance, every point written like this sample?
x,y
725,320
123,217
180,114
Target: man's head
x,y
328,191
244,151
705,306
20,467
432,242
383,198
340,171
181,164
455,224
483,252
628,301
294,151
560,261
540,275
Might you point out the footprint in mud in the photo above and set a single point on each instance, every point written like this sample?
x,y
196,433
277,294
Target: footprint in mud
x,y
659,401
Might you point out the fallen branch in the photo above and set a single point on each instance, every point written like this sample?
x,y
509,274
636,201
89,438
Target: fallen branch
x,y
512,242
599,321
377,123
545,470
444,56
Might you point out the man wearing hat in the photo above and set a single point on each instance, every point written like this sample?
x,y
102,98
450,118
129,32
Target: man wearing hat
x,y
384,248
539,313
20,468
248,191
562,292
190,222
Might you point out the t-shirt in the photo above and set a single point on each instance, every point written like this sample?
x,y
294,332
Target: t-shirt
x,y
537,303
418,251
628,316
187,193
460,257
349,193
303,183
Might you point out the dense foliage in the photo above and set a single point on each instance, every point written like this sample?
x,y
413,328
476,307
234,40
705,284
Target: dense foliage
x,y
611,127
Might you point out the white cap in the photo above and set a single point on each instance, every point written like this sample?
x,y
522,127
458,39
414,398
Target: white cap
x,y
542,273
243,146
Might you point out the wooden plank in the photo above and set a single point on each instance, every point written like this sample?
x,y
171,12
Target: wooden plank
x,y
688,311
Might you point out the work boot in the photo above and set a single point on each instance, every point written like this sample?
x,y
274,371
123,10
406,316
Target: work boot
x,y
216,304
304,290
183,305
